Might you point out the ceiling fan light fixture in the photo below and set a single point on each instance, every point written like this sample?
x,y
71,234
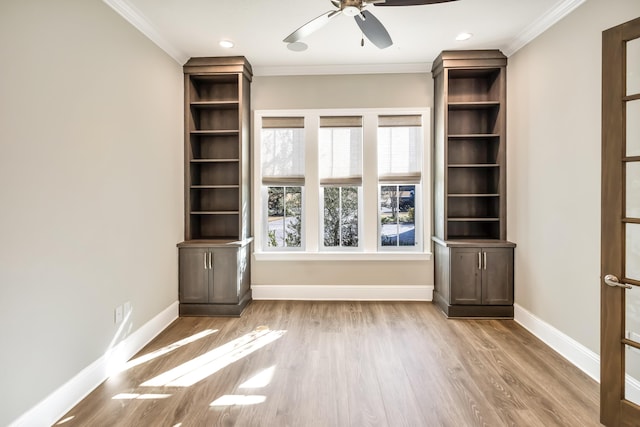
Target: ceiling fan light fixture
x,y
463,36
350,10
227,44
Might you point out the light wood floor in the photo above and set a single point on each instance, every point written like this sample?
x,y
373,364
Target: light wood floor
x,y
345,364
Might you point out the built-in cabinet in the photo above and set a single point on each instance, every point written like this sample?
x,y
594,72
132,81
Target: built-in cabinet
x,y
474,280
473,260
215,255
214,279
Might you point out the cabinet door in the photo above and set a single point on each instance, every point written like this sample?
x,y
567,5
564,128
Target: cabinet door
x,y
466,276
225,276
497,276
194,275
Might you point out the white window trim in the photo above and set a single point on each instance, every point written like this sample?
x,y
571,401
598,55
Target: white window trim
x,y
368,223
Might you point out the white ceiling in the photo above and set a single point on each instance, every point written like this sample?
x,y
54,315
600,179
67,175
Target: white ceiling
x,y
190,28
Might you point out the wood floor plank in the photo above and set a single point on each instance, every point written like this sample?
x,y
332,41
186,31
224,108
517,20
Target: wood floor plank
x,y
345,364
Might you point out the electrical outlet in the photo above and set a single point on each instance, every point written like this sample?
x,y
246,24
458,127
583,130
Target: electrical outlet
x,y
118,315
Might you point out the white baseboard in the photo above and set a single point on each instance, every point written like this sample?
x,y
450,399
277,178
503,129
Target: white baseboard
x,y
342,293
585,359
580,356
58,403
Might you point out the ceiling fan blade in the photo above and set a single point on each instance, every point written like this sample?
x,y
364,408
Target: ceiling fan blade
x,y
311,26
409,2
373,29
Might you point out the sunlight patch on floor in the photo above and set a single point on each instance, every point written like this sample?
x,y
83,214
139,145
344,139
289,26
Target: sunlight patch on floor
x,y
167,349
261,379
211,362
66,420
235,399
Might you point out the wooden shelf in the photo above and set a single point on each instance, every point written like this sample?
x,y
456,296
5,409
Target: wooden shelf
x,y
473,135
474,165
199,187
474,219
214,132
215,105
473,105
214,213
474,195
214,160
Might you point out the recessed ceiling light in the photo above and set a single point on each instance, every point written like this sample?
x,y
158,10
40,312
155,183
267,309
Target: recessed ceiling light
x,y
297,46
227,44
463,36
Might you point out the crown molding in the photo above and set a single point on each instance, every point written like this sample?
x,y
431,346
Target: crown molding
x,y
135,18
542,24
310,70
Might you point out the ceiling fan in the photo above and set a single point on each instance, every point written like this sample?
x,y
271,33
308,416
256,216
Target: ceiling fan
x,y
370,26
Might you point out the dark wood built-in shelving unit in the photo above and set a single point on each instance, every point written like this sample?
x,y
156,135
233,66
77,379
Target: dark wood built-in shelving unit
x,y
470,185
217,187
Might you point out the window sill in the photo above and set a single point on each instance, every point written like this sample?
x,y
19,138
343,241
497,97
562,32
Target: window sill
x,y
342,256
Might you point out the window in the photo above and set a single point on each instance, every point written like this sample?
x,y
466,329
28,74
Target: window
x,y
340,162
397,215
282,154
340,213
341,181
399,173
284,218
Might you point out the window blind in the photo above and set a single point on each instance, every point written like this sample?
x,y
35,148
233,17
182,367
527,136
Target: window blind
x,y
282,122
340,151
399,149
282,151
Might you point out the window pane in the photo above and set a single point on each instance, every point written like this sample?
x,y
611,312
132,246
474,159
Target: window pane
x,y
332,216
275,220
632,259
633,67
293,216
349,217
407,215
397,215
632,374
633,128
285,216
282,152
389,215
633,190
341,216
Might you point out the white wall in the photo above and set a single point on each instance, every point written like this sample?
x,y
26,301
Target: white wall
x,y
554,105
343,91
90,189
